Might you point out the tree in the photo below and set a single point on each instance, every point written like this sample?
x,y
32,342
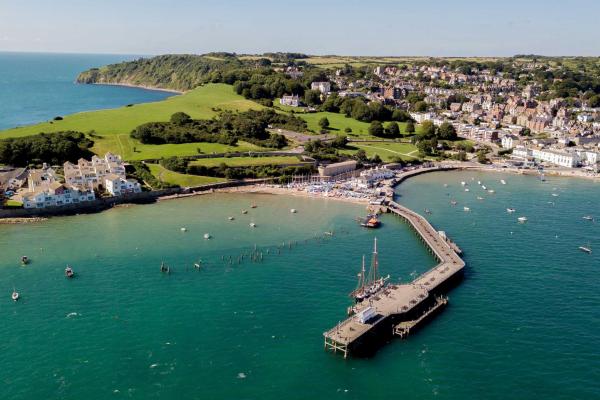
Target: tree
x,y
376,159
427,129
447,131
348,130
420,106
180,118
410,127
339,142
481,157
393,130
312,97
376,129
401,116
360,155
324,123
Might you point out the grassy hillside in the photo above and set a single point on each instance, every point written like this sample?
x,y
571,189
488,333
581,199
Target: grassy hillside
x,y
183,180
246,161
388,151
113,126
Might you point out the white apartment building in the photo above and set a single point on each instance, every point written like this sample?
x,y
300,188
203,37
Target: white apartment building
x,y
55,194
90,174
117,185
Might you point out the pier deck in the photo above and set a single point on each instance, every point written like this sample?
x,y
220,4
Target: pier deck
x,y
395,302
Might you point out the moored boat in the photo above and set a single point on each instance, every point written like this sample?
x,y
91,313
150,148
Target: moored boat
x,y
231,218
24,260
69,272
183,229
244,211
207,236
252,225
15,295
372,221
369,283
585,249
522,219
466,209
502,181
510,210
588,218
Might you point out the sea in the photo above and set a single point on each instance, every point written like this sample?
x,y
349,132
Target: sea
x,y
36,87
248,324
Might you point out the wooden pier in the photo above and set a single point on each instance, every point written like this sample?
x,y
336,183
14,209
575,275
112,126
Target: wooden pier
x,y
399,308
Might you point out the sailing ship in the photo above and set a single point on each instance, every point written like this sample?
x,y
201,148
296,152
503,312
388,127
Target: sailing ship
x,y
369,283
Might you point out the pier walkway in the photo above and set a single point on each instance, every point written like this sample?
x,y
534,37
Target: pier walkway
x,y
398,303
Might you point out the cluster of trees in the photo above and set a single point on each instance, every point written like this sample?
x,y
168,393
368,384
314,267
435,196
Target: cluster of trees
x,y
250,126
268,84
53,148
174,71
223,170
427,141
359,109
140,171
392,130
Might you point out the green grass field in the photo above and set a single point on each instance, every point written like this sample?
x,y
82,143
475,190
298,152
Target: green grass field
x,y
114,125
182,180
246,161
386,150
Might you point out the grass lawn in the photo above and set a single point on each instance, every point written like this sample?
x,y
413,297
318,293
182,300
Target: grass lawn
x,y
114,125
386,150
183,180
246,161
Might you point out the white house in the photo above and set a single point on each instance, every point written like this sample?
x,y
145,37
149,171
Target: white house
x,y
91,173
117,186
323,87
561,158
292,101
509,141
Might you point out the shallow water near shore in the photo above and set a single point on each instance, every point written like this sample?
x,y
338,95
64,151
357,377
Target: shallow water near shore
x,y
524,320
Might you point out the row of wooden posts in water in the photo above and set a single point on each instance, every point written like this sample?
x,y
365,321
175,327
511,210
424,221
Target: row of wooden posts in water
x,y
258,254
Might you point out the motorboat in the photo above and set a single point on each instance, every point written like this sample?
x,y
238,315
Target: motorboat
x,y
207,236
453,202
502,181
483,187
231,218
293,211
183,229
244,211
427,211
466,209
463,183
253,205
479,198
372,221
198,264
585,249
445,185
15,295
467,190
554,194
522,219
491,191
252,225
69,272
510,210
24,260
479,182
588,218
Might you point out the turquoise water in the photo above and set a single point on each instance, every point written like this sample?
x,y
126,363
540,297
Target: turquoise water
x,y
36,87
524,321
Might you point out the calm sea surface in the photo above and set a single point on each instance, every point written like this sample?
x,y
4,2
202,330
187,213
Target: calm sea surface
x,y
524,323
36,87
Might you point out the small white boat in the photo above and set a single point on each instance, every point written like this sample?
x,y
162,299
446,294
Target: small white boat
x,y
252,225
467,190
585,249
502,181
69,273
453,202
483,187
554,194
510,210
463,183
479,182
588,218
183,229
231,218
445,185
491,191
293,211
467,209
479,198
15,295
244,211
207,236
522,219
198,265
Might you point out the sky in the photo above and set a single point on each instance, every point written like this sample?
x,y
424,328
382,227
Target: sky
x,y
343,27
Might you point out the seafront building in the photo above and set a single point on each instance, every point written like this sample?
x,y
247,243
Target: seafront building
x,y
92,173
333,170
55,194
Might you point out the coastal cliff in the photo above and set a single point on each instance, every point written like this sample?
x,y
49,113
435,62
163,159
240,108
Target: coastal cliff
x,y
169,72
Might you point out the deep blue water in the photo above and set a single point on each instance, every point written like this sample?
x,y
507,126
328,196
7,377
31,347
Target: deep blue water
x,y
36,87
